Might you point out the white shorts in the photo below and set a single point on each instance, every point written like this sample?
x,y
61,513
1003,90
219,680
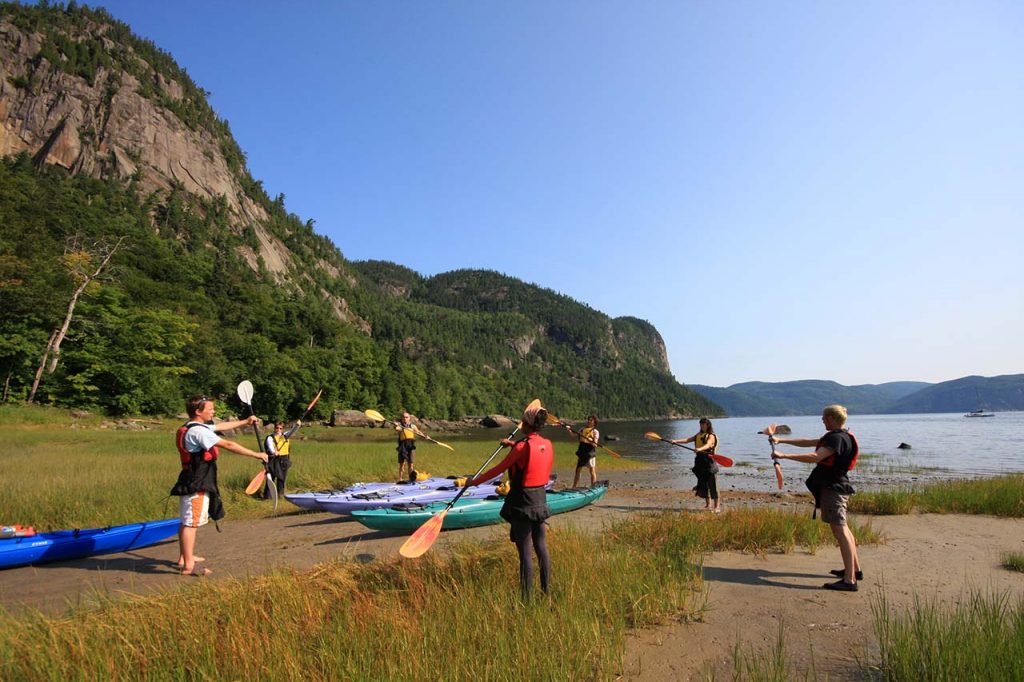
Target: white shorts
x,y
195,510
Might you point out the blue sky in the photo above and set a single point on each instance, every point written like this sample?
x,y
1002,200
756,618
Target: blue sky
x,y
785,190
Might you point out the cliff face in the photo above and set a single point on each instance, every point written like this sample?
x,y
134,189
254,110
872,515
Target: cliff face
x,y
106,128
122,122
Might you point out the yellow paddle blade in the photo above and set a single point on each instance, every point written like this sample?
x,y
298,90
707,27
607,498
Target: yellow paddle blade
x,y
611,452
424,537
256,483
651,435
375,415
445,445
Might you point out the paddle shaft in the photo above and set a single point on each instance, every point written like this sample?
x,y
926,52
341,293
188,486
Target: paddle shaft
x,y
577,434
479,471
309,408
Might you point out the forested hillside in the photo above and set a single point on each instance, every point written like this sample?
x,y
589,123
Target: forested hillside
x,y
209,280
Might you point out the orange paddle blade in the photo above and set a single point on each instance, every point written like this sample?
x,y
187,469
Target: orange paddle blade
x,y
256,483
651,435
723,460
778,475
424,537
611,452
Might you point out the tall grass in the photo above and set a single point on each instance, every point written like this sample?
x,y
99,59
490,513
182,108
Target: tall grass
x,y
1002,496
453,618
980,638
60,472
1013,561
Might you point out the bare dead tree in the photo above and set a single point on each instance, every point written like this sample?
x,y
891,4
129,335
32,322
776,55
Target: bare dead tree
x,y
80,259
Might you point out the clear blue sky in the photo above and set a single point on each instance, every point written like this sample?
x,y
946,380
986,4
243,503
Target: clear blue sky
x,y
785,190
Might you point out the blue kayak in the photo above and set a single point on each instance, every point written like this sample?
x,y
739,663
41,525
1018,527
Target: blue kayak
x,y
63,545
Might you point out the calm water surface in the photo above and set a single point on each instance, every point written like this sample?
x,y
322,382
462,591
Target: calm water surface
x,y
943,446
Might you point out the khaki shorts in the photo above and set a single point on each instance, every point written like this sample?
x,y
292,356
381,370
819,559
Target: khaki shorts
x,y
195,510
833,507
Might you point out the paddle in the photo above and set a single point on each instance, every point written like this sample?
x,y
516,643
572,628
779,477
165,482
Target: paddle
x,y
312,403
424,537
379,418
721,459
770,431
245,395
555,421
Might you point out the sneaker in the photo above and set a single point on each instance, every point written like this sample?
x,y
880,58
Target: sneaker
x,y
841,585
839,573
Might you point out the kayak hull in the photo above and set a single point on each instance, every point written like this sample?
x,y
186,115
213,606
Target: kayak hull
x,y
483,511
63,545
312,500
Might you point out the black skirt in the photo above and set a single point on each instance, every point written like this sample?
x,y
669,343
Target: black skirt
x,y
527,504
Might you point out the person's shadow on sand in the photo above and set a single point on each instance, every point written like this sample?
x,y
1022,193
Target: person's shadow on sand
x,y
129,562
756,576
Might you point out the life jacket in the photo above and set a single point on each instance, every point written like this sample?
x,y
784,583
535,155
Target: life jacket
x,y
186,456
586,438
845,462
831,471
198,469
702,439
406,433
282,445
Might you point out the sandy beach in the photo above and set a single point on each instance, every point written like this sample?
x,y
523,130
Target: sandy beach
x,y
749,596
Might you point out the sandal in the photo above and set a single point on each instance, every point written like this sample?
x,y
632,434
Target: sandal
x,y
841,586
839,573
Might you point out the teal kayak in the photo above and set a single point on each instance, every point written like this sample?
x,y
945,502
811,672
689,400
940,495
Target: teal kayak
x,y
470,513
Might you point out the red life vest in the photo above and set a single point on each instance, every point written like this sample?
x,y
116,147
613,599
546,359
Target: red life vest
x,y
186,456
850,461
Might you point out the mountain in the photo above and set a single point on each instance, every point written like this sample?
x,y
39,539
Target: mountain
x,y
998,394
760,399
140,262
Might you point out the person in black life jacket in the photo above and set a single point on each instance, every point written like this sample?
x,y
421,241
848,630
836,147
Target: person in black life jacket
x,y
199,444
526,504
704,443
835,454
278,447
406,445
586,452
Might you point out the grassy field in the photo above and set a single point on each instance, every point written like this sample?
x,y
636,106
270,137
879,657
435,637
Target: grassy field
x,y
1002,496
61,472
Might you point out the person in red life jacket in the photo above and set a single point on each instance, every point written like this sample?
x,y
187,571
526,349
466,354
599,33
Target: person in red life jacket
x,y
705,468
199,445
278,447
835,454
586,452
526,505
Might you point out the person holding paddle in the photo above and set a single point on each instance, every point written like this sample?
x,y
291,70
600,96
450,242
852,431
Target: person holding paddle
x,y
278,447
586,453
198,446
407,432
706,469
835,454
526,507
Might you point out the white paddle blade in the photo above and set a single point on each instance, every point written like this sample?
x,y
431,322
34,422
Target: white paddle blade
x,y
245,392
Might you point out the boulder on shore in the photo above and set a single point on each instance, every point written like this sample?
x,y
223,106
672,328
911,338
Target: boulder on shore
x,y
350,418
903,446
497,421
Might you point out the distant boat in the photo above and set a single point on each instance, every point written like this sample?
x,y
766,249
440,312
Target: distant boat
x,y
980,413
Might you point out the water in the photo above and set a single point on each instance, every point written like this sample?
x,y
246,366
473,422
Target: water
x,y
944,446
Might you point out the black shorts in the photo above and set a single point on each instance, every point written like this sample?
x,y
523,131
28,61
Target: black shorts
x,y
406,450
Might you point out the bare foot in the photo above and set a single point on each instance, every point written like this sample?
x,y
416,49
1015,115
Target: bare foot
x,y
197,559
198,573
